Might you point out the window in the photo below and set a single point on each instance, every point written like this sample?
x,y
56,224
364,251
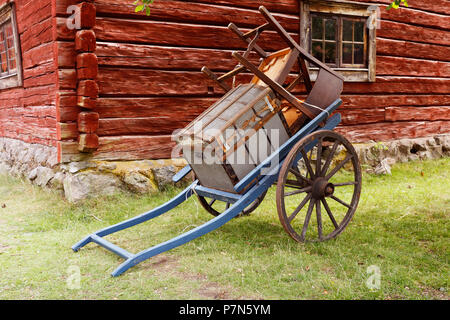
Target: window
x,y
336,33
10,63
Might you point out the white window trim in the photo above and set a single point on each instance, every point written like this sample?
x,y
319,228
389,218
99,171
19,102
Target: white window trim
x,y
348,8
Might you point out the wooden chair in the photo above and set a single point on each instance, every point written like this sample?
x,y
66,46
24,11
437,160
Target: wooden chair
x,y
276,67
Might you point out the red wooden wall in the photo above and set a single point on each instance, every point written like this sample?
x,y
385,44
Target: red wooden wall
x,y
29,113
150,81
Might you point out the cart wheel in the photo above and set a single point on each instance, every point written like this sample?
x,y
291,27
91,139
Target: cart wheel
x,y
327,176
216,207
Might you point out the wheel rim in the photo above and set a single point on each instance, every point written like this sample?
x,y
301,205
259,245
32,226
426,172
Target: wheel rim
x,y
318,188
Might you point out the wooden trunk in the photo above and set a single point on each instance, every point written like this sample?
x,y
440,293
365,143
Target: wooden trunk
x,y
234,135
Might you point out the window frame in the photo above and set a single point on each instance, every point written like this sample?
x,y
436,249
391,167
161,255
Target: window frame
x,y
15,79
341,9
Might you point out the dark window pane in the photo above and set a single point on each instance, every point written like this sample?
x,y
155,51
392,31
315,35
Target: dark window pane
x,y
317,28
347,53
359,31
330,52
347,30
330,29
317,50
359,54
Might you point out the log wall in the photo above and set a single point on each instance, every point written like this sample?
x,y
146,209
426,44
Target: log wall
x,y
150,83
28,113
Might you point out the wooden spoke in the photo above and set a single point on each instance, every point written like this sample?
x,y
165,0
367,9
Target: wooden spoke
x,y
308,164
212,202
319,219
327,209
319,158
351,183
300,207
338,167
307,189
294,184
340,201
298,175
307,218
329,159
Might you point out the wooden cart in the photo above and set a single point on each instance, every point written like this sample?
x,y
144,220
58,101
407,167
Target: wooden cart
x,y
313,167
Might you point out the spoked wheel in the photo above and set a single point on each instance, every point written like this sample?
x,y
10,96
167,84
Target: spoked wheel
x,y
321,172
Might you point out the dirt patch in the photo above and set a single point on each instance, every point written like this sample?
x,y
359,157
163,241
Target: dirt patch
x,y
168,265
432,293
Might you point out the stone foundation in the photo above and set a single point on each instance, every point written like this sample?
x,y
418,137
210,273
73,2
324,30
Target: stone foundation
x,y
80,180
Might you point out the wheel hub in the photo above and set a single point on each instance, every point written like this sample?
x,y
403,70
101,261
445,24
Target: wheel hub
x,y
322,188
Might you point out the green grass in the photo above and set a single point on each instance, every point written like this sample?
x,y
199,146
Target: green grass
x,y
401,226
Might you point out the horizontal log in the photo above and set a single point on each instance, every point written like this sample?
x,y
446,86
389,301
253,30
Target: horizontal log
x,y
66,131
88,88
67,79
136,82
162,57
361,116
417,113
37,56
165,33
85,41
87,66
373,101
390,131
88,122
152,107
416,17
191,12
65,53
143,126
88,142
134,148
31,13
438,6
66,106
401,31
410,49
396,66
116,6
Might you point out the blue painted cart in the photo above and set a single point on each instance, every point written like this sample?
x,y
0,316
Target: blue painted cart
x,y
314,169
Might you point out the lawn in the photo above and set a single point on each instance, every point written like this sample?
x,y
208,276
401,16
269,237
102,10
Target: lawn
x,y
399,235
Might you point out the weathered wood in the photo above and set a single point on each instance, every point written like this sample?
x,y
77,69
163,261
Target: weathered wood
x,y
87,66
66,131
417,113
88,142
175,107
410,49
88,88
400,31
67,79
130,82
134,147
411,67
85,41
362,116
88,122
390,131
374,101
